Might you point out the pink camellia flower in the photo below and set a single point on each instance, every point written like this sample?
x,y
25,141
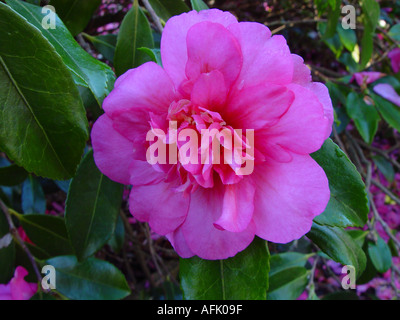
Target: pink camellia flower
x,y
387,91
394,57
18,288
366,77
219,74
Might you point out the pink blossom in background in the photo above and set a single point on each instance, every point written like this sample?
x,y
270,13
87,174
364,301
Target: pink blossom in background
x,y
386,91
366,77
18,288
394,57
222,74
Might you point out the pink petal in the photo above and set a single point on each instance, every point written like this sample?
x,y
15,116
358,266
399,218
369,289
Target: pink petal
x,y
209,90
367,77
288,197
303,128
258,106
202,237
386,91
394,57
210,46
145,89
179,243
112,152
5,292
238,206
301,73
322,93
159,205
266,59
20,289
173,41
142,173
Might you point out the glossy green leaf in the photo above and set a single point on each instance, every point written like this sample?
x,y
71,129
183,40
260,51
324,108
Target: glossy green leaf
x,y
92,208
33,199
154,54
105,44
244,276
166,9
134,33
371,13
333,17
63,184
75,14
384,166
117,240
12,175
388,111
358,236
198,5
394,32
339,246
288,284
47,232
347,36
380,255
332,42
365,116
86,70
369,271
92,279
43,125
7,251
42,296
281,261
348,204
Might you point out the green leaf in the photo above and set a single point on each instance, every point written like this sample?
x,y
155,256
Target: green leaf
x,y
75,14
388,111
33,199
166,9
369,271
333,17
348,204
92,279
371,13
105,44
198,5
47,232
365,116
92,208
244,276
117,240
281,261
86,70
332,42
384,166
7,251
358,236
154,54
43,125
339,246
12,175
63,184
134,33
288,284
347,36
394,32
380,255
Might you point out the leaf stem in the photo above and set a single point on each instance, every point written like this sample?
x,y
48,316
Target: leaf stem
x,y
16,236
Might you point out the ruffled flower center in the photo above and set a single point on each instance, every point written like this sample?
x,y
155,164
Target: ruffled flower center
x,y
205,148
